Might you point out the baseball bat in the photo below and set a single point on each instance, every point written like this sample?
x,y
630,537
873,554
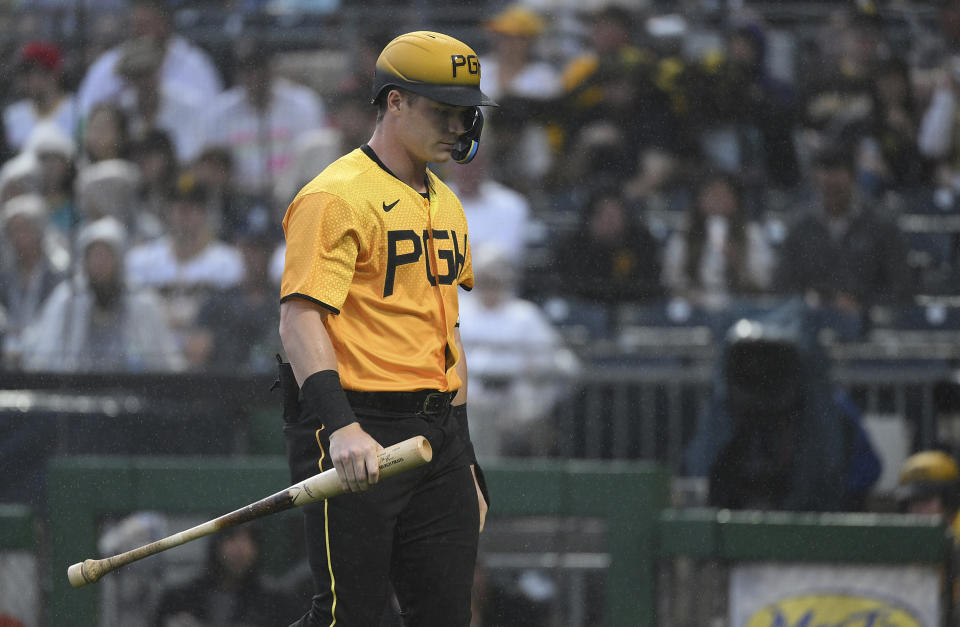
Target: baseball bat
x,y
402,456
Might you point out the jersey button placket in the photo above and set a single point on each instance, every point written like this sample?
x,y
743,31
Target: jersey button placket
x,y
432,209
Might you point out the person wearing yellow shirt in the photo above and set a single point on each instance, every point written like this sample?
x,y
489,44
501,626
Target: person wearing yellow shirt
x,y
930,484
376,249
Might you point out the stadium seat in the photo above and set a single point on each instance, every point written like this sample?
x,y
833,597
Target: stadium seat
x,y
930,221
932,316
579,321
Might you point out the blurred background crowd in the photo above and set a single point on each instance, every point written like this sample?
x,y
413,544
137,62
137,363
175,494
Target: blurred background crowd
x,y
642,155
651,164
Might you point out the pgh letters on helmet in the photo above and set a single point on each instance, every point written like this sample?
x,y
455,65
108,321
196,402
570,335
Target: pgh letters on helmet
x,y
433,65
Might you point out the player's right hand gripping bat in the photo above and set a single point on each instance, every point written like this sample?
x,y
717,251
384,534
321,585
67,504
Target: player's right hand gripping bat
x,y
394,459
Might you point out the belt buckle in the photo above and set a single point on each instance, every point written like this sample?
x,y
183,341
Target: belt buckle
x,y
434,403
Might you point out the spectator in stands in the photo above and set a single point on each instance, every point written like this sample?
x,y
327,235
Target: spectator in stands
x,y
213,170
28,273
524,86
312,152
836,85
259,120
44,98
939,126
20,175
106,135
56,154
519,367
929,483
186,265
151,105
94,322
611,258
239,326
511,70
745,118
496,213
155,157
350,116
944,40
347,104
603,91
720,254
111,188
890,157
841,252
104,30
134,599
185,68
230,590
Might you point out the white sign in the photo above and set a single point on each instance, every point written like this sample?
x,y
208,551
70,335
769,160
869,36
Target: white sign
x,y
821,595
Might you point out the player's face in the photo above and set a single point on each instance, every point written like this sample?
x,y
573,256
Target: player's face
x,y
431,128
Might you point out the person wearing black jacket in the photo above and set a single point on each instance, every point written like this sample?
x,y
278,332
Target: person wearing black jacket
x,y
612,258
843,252
230,590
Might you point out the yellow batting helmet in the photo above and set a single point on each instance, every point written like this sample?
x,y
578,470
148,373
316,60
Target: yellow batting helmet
x,y
929,466
433,65
517,21
929,473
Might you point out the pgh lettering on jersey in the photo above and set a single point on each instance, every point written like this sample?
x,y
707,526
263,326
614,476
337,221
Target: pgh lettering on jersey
x,y
453,259
370,248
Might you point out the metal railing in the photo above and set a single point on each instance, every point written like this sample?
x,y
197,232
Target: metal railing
x,y
626,406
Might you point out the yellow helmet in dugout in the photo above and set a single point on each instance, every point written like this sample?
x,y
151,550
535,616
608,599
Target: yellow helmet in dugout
x,y
927,474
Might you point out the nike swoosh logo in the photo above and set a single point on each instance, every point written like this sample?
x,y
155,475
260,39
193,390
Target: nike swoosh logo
x,y
387,207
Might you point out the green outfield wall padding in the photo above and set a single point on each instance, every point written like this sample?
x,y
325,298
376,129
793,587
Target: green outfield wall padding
x,y
794,537
631,497
83,490
17,529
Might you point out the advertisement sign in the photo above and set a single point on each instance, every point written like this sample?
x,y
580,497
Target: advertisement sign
x,y
795,595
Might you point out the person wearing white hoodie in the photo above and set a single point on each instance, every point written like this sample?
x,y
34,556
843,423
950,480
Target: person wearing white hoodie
x,y
94,322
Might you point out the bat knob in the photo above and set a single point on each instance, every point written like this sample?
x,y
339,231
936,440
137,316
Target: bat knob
x,y
77,577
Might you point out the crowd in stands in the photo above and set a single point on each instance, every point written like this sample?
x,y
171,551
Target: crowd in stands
x,y
637,157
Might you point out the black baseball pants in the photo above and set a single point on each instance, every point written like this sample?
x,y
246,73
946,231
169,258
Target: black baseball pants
x,y
417,530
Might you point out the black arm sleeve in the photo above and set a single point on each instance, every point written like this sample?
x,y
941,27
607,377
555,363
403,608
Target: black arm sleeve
x,y
322,396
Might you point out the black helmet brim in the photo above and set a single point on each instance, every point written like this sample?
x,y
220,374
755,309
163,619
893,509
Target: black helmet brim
x,y
454,95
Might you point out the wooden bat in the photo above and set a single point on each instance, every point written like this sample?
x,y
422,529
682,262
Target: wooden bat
x,y
392,460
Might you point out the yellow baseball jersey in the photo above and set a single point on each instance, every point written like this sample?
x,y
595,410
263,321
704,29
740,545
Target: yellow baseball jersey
x,y
388,262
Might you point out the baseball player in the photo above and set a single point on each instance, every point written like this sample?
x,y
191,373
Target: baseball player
x,y
929,483
376,248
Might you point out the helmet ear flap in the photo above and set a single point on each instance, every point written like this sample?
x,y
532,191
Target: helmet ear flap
x,y
467,145
464,153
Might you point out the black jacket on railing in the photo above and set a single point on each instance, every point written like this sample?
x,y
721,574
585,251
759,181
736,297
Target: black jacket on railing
x,y
775,436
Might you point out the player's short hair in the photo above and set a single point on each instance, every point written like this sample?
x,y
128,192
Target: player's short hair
x,y
381,100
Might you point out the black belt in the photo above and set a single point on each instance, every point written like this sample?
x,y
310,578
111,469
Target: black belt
x,y
421,402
